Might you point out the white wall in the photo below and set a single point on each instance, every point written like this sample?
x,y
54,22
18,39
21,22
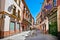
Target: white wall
x,y
2,5
6,23
7,4
46,22
21,5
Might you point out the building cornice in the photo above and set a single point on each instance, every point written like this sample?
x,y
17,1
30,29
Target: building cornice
x,y
10,15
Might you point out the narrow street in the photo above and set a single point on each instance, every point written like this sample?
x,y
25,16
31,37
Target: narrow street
x,y
37,35
31,35
29,19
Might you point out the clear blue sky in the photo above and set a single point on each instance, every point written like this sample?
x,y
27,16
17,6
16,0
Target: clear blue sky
x,y
34,6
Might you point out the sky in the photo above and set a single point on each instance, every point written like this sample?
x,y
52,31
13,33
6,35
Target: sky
x,y
34,6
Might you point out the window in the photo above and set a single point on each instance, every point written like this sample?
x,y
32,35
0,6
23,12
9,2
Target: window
x,y
54,3
18,14
47,1
19,3
11,26
25,8
26,11
14,11
15,0
18,26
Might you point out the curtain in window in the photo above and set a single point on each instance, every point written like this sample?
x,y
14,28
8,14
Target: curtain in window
x,y
18,26
11,26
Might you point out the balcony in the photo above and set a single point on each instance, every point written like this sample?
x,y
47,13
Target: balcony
x,y
17,6
28,19
49,13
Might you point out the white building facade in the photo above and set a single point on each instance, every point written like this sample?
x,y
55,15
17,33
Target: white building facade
x,y
11,12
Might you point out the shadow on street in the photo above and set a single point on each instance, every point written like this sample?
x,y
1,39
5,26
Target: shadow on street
x,y
38,35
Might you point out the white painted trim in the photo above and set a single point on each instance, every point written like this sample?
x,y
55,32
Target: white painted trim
x,y
6,23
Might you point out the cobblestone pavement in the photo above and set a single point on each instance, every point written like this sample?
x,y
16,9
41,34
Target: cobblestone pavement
x,y
31,35
37,35
20,36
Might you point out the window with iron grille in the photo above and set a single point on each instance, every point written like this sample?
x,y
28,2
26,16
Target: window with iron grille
x,y
18,26
14,11
18,14
12,26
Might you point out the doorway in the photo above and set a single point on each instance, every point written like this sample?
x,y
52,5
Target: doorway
x,y
22,28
